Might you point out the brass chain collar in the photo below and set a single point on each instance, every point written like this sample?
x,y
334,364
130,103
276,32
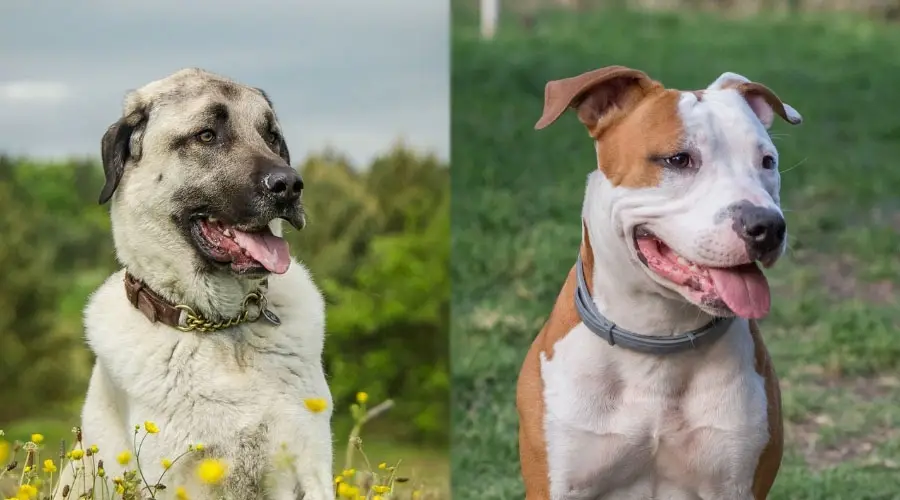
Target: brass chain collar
x,y
196,322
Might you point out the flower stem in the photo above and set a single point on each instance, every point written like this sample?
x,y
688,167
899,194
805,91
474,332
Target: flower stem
x,y
376,411
137,461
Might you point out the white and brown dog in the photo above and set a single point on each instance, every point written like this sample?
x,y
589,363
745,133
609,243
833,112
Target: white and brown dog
x,y
650,379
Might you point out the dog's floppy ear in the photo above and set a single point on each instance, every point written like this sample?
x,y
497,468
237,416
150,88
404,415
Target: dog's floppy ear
x,y
282,145
283,150
764,103
594,94
121,142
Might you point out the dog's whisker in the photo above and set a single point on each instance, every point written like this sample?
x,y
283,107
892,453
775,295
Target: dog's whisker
x,y
801,162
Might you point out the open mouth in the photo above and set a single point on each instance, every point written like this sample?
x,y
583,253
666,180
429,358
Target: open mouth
x,y
246,251
741,289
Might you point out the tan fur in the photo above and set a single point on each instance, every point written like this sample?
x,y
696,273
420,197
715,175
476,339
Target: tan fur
x,y
629,145
770,459
633,117
530,388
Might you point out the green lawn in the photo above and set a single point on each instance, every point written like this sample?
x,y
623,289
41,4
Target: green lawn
x,y
517,197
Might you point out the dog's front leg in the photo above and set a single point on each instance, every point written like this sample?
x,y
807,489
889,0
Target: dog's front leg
x,y
309,479
308,451
313,466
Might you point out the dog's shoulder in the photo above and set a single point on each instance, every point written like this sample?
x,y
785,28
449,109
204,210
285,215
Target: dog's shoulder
x,y
107,307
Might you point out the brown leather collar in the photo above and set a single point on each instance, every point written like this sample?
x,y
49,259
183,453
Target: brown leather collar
x,y
154,307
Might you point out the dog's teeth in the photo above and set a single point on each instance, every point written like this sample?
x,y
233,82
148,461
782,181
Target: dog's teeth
x,y
693,267
212,220
682,261
228,232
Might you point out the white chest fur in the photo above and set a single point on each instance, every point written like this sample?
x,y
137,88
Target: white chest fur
x,y
621,425
241,393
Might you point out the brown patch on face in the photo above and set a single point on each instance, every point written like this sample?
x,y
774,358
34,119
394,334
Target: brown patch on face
x,y
631,116
629,142
770,458
530,388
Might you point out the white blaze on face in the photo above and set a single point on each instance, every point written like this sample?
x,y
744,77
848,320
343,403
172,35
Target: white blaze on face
x,y
728,144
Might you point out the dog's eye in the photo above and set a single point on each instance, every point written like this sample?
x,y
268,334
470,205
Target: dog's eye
x,y
768,162
681,160
206,136
271,137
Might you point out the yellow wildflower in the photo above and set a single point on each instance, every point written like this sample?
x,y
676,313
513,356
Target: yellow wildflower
x,y
338,479
27,469
315,405
198,447
348,472
377,497
211,471
347,491
101,472
166,463
27,492
381,488
49,466
77,454
124,457
362,397
181,493
416,495
382,466
94,449
120,489
37,438
150,427
4,452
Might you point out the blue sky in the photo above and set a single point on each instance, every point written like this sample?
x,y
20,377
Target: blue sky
x,y
352,74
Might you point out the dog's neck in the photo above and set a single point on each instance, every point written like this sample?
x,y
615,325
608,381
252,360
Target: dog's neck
x,y
622,291
216,297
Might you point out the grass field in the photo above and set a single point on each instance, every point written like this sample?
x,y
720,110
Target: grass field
x,y
427,467
517,197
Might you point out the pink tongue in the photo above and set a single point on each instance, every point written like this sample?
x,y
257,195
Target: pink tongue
x,y
744,289
266,248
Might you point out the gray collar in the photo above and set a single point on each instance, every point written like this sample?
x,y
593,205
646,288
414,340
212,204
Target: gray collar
x,y
647,344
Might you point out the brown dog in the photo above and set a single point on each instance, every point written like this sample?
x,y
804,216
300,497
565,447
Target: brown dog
x,y
650,378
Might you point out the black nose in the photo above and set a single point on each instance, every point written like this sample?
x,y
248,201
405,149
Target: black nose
x,y
762,229
284,183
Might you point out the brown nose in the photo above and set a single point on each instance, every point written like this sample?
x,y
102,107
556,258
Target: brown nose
x,y
762,229
284,183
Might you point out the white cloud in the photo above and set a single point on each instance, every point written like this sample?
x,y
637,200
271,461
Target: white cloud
x,y
34,92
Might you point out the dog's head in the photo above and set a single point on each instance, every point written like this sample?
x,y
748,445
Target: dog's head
x,y
197,166
691,185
